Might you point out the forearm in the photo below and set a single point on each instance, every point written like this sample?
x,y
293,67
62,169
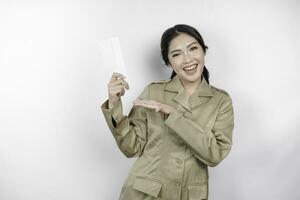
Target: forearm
x,y
210,146
128,131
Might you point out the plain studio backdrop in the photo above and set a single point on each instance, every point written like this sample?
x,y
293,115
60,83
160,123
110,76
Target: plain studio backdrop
x,y
54,142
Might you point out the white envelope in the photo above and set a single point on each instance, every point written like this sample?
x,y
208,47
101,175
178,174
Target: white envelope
x,y
111,57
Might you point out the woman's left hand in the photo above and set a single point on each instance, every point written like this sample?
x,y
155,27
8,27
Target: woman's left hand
x,y
158,107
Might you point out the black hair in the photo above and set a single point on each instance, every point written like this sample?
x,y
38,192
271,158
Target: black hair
x,y
173,32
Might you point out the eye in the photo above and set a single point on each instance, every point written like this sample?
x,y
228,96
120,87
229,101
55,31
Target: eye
x,y
193,48
175,54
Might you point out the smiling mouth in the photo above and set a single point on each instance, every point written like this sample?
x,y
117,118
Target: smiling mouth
x,y
189,68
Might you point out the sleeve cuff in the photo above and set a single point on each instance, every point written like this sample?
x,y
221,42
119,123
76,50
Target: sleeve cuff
x,y
116,112
177,121
172,118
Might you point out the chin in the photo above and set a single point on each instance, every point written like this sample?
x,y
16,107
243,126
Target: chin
x,y
194,78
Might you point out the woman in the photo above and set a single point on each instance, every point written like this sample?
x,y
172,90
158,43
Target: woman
x,y
177,127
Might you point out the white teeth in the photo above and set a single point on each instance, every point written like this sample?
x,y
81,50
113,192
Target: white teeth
x,y
190,68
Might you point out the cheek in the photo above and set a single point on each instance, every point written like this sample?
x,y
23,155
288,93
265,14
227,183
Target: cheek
x,y
201,61
200,57
201,69
175,62
176,67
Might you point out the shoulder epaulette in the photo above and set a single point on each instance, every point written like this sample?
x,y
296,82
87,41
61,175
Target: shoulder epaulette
x,y
161,81
220,90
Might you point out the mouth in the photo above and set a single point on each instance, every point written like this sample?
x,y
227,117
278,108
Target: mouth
x,y
190,68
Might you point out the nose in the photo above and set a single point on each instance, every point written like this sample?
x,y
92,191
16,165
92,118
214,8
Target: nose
x,y
186,57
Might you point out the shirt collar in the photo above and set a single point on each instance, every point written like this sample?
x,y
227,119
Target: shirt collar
x,y
202,90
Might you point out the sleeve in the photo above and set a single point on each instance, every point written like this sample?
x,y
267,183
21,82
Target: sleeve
x,y
130,132
209,146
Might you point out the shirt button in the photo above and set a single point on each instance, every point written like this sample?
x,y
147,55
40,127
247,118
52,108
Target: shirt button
x,y
187,114
177,183
178,161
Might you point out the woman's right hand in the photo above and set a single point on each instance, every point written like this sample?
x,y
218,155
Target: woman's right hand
x,y
116,88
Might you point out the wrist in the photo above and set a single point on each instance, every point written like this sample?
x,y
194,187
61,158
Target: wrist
x,y
112,103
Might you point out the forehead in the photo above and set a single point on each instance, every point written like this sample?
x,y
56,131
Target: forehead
x,y
181,41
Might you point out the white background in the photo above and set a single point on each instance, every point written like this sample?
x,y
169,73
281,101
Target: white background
x,y
54,142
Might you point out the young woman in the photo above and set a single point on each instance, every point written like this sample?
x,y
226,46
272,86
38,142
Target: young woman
x,y
176,128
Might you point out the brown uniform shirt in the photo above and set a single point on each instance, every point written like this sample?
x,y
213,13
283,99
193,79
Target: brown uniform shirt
x,y
173,150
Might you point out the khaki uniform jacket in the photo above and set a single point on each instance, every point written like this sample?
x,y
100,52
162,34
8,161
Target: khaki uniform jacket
x,y
173,150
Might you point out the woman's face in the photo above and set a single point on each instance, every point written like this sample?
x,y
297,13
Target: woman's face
x,y
186,57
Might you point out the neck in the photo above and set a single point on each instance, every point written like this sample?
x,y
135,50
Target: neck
x,y
190,87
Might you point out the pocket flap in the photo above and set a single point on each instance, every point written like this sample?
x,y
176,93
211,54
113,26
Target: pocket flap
x,y
197,192
147,185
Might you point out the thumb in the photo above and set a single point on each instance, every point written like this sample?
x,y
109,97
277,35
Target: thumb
x,y
158,108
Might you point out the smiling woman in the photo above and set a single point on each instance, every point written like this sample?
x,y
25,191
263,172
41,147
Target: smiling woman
x,y
176,128
187,60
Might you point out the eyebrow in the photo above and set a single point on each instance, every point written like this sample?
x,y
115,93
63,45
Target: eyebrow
x,y
187,46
